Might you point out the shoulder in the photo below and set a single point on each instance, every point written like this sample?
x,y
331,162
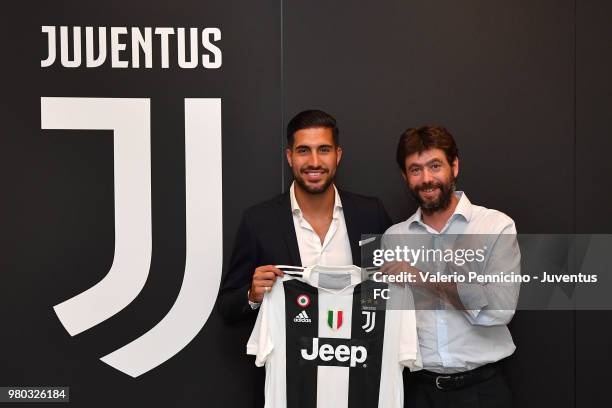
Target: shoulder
x,y
366,213
265,208
358,200
265,216
494,220
401,227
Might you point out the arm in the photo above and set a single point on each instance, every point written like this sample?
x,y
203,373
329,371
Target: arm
x,y
483,304
244,282
260,342
490,304
233,303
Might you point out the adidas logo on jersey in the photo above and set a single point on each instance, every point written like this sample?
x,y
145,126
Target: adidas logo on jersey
x,y
339,355
302,318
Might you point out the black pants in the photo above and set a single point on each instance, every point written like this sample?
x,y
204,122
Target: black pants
x,y
491,393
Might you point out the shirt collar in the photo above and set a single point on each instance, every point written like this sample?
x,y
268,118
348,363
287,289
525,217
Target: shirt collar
x,y
295,207
463,209
312,274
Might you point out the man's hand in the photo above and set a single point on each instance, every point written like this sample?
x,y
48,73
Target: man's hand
x,y
426,299
263,280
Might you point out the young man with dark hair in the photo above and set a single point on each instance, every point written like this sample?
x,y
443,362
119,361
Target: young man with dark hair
x,y
463,338
312,223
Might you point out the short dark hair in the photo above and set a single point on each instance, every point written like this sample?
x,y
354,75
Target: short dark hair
x,y
309,119
417,140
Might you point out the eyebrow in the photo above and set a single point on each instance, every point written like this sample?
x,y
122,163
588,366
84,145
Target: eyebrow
x,y
429,162
310,147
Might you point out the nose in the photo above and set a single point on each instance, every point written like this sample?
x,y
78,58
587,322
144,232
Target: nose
x,y
315,160
427,176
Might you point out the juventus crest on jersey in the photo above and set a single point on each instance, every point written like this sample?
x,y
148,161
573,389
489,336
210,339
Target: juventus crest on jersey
x,y
323,348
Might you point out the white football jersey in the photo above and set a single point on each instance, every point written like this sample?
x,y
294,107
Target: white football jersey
x,y
323,345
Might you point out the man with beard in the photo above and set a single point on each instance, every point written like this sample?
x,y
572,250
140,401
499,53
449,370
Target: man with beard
x,y
312,223
464,336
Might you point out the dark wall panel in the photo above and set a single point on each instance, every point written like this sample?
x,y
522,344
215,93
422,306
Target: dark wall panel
x,y
523,85
60,237
499,76
593,197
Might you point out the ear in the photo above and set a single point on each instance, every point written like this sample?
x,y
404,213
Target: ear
x,y
455,167
403,173
338,155
289,154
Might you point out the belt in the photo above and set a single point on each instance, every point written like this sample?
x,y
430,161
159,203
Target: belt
x,y
448,382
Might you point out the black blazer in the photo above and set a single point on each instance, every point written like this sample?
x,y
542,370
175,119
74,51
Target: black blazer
x,y
266,236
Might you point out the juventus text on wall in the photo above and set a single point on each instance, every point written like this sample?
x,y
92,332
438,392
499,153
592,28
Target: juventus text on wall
x,y
125,46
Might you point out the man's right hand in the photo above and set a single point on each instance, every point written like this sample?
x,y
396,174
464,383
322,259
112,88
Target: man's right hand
x,y
263,280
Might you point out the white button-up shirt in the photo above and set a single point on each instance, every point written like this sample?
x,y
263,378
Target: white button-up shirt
x,y
451,340
336,247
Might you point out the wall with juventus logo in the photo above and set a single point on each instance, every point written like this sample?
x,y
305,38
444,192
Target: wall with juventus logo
x,y
112,233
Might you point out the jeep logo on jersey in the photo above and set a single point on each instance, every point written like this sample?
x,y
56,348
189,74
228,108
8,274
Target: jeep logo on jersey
x,y
334,352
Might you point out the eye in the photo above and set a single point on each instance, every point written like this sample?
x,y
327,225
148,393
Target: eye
x,y
414,171
436,166
301,150
325,149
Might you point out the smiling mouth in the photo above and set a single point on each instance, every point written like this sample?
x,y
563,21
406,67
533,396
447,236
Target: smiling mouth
x,y
428,191
314,174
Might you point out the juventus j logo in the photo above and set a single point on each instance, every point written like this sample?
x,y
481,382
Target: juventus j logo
x,y
129,118
370,321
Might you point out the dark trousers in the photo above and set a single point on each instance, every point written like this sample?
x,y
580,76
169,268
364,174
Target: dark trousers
x,y
491,393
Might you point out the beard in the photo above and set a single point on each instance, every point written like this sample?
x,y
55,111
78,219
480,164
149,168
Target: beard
x,y
439,204
313,189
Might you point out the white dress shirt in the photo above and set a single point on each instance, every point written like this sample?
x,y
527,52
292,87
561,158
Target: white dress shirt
x,y
336,247
451,340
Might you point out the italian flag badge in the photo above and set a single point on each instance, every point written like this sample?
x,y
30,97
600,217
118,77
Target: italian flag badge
x,y
334,319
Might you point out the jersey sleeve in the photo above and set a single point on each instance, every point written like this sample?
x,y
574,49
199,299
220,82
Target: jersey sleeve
x,y
260,343
409,354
